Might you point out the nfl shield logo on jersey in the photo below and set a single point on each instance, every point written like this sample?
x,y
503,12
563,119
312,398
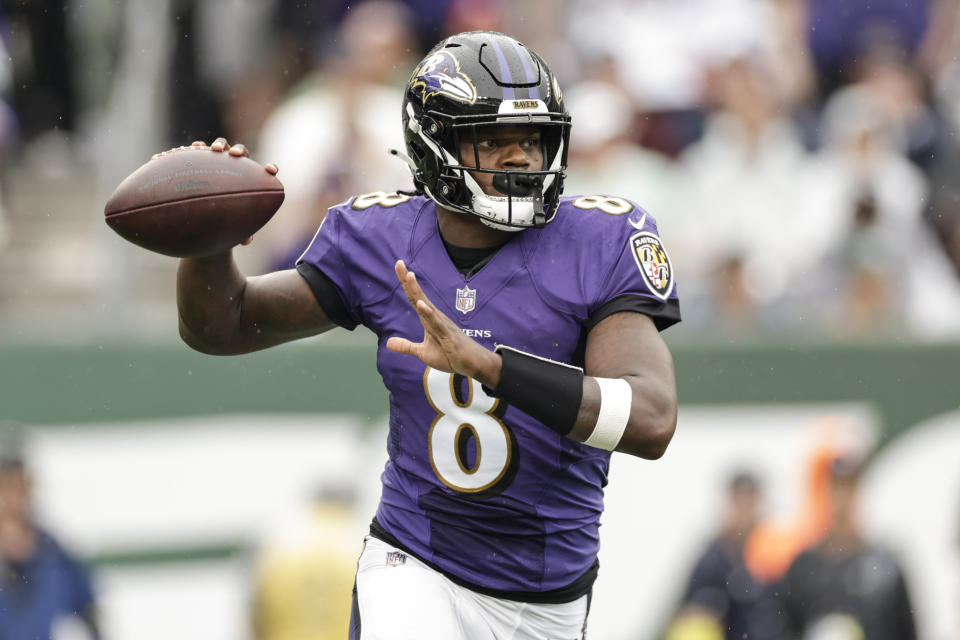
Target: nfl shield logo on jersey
x,y
466,299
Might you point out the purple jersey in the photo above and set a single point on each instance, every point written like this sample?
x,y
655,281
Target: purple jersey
x,y
479,489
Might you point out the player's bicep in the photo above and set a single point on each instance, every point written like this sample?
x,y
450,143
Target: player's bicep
x,y
280,306
627,344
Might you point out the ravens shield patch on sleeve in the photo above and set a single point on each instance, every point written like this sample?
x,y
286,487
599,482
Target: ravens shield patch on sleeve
x,y
653,262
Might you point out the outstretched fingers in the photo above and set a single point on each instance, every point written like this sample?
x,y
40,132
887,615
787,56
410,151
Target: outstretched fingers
x,y
408,280
403,346
430,317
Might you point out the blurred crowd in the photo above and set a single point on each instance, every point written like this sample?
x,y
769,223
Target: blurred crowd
x,y
799,155
45,590
814,574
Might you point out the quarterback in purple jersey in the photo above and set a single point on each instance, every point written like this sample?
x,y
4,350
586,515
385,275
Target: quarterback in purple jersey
x,y
518,336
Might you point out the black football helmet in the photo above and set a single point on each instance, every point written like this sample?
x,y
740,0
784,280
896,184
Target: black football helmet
x,y
480,79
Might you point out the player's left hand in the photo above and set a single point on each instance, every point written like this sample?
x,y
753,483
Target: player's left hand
x,y
444,346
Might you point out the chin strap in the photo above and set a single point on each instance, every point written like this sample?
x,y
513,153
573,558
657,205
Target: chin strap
x,y
539,216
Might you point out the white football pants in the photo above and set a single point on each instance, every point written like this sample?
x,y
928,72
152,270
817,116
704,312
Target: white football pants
x,y
400,598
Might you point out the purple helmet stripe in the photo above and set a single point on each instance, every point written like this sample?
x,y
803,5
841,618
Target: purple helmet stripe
x,y
525,57
508,93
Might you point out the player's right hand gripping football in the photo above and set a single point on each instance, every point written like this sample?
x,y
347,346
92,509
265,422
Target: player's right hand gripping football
x,y
237,151
444,346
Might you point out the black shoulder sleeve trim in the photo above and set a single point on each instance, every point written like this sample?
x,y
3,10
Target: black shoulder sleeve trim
x,y
327,294
664,314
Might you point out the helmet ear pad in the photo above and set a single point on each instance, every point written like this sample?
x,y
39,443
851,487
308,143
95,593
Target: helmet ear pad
x,y
428,164
448,185
451,190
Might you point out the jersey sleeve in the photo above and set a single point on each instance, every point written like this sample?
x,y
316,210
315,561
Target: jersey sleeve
x,y
327,270
639,276
327,294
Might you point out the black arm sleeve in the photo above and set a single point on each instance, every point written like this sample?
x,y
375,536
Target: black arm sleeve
x,y
327,294
664,314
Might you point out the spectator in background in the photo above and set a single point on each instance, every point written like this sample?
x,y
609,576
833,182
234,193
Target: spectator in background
x,y
219,80
957,541
840,33
43,588
685,39
314,23
305,570
899,49
723,600
846,588
466,15
41,52
777,540
354,92
943,212
748,204
605,157
355,96
196,108
8,131
888,269
301,29
943,64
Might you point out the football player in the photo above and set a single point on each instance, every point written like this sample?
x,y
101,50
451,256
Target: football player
x,y
518,336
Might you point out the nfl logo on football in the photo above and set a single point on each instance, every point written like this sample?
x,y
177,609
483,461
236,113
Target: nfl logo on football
x,y
466,300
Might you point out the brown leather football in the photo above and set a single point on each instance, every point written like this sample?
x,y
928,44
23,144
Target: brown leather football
x,y
192,202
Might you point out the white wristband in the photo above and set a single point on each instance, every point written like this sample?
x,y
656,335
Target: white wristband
x,y
615,400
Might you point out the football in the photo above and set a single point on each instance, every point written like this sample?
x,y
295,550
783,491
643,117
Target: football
x,y
191,202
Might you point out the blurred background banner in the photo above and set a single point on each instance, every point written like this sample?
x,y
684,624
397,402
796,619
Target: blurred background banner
x,y
801,158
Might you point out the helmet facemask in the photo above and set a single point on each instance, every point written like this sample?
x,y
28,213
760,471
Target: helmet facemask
x,y
524,197
527,197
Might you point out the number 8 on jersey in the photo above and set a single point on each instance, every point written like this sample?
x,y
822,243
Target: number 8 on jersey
x,y
456,423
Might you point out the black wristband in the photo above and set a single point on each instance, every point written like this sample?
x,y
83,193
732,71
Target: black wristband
x,y
549,391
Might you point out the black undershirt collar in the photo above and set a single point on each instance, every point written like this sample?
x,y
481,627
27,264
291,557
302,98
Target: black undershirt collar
x,y
468,260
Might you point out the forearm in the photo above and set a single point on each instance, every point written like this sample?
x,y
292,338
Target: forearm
x,y
547,393
210,304
652,416
626,401
224,313
626,348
